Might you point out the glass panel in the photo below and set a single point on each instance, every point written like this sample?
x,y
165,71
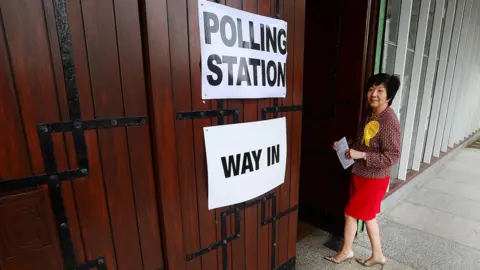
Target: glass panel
x,y
417,111
433,88
389,55
447,3
426,127
429,109
423,76
392,20
443,30
412,33
428,38
407,77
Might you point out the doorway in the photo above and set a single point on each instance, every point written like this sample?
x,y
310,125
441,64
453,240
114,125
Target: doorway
x,y
339,43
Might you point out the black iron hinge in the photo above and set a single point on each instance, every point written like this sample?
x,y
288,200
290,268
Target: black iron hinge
x,y
288,265
264,222
99,263
276,109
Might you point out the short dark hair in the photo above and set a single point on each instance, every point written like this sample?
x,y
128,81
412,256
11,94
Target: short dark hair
x,y
391,82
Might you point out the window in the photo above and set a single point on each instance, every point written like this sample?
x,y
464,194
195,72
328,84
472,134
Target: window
x,y
407,75
426,51
391,35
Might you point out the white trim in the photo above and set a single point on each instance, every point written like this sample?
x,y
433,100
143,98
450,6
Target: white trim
x,y
442,66
385,44
414,85
459,67
431,67
465,101
461,119
401,53
474,102
400,59
476,74
477,71
452,61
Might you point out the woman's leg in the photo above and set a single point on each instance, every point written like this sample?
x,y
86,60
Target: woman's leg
x,y
348,237
374,235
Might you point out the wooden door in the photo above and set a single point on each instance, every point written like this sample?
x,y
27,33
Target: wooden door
x,y
193,234
75,192
99,170
339,58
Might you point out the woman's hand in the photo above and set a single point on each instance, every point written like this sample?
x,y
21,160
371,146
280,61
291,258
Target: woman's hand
x,y
334,146
354,154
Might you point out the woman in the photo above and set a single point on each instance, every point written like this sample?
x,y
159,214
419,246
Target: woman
x,y
375,153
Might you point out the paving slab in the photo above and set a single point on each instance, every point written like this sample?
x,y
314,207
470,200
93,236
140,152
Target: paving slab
x,y
466,153
465,165
449,226
312,249
410,215
422,250
452,204
455,188
460,176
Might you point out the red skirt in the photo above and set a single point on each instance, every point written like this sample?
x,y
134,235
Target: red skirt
x,y
366,195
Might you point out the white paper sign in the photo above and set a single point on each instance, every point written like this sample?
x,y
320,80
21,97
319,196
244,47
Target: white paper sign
x,y
342,147
243,54
244,160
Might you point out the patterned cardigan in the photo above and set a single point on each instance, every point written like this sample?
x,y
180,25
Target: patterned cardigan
x,y
384,149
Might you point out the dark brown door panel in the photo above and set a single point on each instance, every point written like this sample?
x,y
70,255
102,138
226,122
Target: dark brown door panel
x,y
27,232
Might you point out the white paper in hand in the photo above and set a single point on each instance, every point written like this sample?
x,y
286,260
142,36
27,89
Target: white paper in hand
x,y
342,147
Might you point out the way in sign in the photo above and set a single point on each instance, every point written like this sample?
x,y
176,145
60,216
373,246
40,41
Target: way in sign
x,y
242,163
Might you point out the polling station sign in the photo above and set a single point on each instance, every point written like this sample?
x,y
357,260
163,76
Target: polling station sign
x,y
243,54
244,160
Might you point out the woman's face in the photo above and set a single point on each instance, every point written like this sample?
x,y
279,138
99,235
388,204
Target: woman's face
x,y
377,96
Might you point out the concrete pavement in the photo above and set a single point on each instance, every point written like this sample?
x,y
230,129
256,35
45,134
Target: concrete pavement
x,y
436,225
